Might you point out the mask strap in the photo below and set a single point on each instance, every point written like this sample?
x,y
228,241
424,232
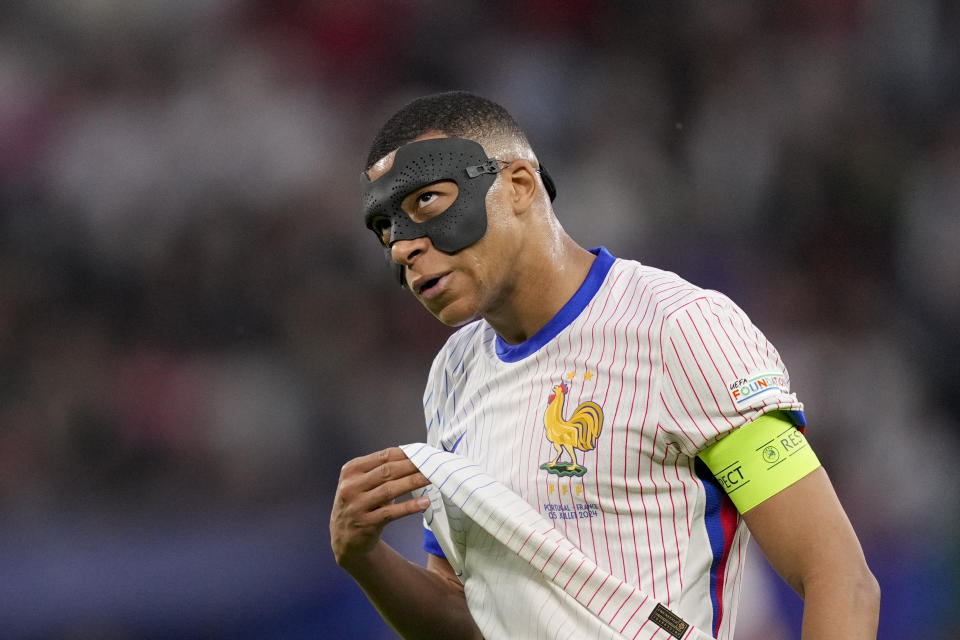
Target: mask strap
x,y
548,182
493,166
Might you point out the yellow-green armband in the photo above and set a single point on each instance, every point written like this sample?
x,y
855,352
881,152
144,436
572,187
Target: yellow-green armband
x,y
760,459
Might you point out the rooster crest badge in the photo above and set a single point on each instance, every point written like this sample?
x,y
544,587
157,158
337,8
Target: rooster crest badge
x,y
579,432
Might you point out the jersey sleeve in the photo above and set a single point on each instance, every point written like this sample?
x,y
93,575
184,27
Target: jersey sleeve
x,y
433,398
719,373
430,543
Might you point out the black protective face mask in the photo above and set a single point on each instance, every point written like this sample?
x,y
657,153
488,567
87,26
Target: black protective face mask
x,y
422,163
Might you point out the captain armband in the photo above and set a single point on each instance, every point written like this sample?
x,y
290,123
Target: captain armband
x,y
759,460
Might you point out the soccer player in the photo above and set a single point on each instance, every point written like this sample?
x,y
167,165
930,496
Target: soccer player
x,y
603,437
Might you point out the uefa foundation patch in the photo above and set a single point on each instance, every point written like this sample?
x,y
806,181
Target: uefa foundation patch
x,y
748,389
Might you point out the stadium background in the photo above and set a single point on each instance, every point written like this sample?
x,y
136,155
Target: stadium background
x,y
196,331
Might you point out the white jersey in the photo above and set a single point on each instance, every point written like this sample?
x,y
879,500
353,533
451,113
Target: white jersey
x,y
596,422
526,580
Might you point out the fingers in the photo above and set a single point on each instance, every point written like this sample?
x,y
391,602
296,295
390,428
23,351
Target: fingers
x,y
365,500
386,493
372,483
395,510
374,460
400,473
388,473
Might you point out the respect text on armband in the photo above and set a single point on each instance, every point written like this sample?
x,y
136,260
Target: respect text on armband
x,y
775,451
786,444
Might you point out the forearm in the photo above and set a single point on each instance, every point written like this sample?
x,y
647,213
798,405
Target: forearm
x,y
845,609
416,602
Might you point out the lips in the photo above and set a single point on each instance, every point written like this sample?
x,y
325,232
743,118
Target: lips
x,y
429,286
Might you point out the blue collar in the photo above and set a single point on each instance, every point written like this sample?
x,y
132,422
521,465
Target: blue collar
x,y
598,272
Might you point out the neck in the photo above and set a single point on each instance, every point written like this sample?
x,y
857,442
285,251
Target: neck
x,y
547,277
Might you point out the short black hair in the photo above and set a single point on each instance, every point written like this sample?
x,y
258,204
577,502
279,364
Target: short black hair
x,y
458,114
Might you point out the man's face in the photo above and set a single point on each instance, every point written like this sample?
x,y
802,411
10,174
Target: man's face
x,y
456,286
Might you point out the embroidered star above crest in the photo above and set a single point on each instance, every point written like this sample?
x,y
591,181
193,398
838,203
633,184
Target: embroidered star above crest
x,y
587,376
571,375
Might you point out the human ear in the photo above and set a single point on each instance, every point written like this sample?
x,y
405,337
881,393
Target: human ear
x,y
523,184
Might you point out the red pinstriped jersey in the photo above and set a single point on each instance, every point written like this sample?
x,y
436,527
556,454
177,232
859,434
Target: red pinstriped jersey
x,y
596,421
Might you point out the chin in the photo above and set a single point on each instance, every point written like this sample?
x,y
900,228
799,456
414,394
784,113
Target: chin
x,y
455,315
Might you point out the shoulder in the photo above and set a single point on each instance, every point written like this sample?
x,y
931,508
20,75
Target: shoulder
x,y
663,293
462,345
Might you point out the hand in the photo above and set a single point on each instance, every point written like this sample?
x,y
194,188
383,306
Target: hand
x,y
364,503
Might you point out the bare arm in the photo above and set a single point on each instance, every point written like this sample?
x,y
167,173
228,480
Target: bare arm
x,y
417,602
808,539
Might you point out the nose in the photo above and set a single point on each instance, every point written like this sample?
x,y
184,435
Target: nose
x,y
404,252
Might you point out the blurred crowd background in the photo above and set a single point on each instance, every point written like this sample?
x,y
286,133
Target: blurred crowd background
x,y
196,331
